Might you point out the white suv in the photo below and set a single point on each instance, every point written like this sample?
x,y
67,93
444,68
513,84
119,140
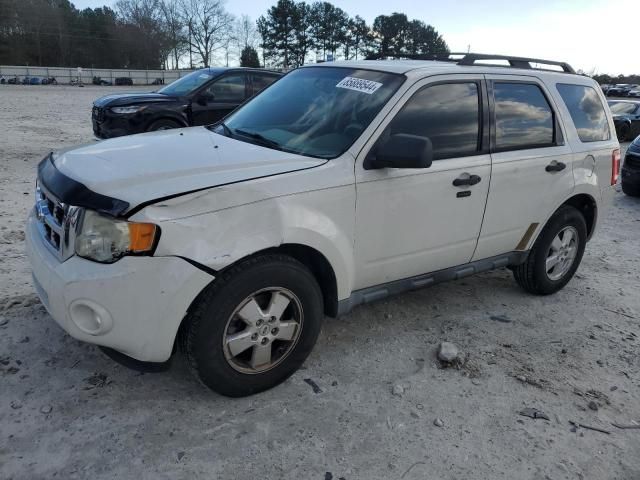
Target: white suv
x,y
338,185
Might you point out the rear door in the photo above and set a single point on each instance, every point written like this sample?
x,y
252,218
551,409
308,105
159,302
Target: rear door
x,y
531,164
220,98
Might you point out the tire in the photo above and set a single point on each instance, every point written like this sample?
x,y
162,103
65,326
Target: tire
x,y
623,132
631,190
533,275
215,318
163,124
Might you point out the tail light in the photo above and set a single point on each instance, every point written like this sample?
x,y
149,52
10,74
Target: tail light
x,y
615,166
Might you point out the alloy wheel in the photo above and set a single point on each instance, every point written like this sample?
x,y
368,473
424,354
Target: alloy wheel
x,y
263,330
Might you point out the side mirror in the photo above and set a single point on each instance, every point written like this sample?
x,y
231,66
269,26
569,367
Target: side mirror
x,y
400,151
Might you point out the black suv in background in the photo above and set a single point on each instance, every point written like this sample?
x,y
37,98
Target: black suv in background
x,y
630,177
199,98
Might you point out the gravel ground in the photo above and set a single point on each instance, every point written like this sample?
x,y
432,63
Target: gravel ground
x,y
384,408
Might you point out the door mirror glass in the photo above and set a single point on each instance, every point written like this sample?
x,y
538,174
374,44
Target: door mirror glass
x,y
401,150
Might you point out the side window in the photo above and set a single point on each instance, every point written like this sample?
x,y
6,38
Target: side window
x,y
448,114
260,82
524,118
229,89
587,112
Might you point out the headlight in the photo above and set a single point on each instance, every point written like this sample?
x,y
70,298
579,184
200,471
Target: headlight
x,y
125,110
106,239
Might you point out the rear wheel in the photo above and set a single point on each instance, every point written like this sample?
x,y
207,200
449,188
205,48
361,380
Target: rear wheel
x,y
163,124
254,326
556,255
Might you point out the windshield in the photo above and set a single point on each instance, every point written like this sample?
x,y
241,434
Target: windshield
x,y
620,108
314,111
188,83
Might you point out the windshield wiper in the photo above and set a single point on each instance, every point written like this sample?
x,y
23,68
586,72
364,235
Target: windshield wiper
x,y
260,138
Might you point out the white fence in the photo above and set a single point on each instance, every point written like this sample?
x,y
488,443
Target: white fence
x,y
68,75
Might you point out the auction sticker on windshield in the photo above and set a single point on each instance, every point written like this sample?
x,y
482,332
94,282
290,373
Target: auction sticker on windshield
x,y
359,85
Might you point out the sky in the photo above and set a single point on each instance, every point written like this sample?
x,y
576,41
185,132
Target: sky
x,y
587,34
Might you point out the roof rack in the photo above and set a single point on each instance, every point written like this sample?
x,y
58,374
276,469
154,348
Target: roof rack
x,y
470,59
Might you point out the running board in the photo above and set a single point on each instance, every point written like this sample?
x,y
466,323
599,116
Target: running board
x,y
378,292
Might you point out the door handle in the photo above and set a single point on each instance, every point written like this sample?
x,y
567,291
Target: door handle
x,y
466,179
555,166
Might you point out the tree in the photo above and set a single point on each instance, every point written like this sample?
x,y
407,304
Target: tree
x,y
330,27
278,33
144,32
358,38
396,36
249,57
175,29
245,33
303,39
209,26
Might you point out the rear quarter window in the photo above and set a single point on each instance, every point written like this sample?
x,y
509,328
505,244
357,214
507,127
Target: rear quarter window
x,y
587,112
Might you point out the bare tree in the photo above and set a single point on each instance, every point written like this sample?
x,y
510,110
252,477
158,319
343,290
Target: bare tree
x,y
246,33
209,26
175,29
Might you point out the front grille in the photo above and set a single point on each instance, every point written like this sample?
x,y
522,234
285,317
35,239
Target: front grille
x,y
98,114
632,160
57,223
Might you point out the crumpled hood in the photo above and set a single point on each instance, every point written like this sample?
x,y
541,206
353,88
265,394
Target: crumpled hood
x,y
132,98
142,168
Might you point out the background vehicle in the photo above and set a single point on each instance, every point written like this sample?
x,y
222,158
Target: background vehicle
x,y
123,81
635,93
318,195
100,81
630,175
626,117
13,81
200,98
49,81
621,90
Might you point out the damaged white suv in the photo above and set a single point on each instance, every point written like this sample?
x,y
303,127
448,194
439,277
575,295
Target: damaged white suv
x,y
338,185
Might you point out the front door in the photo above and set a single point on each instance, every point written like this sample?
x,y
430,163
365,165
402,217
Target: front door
x,y
414,221
219,98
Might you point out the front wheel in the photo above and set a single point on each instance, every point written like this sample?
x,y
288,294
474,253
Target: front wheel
x,y
254,326
555,255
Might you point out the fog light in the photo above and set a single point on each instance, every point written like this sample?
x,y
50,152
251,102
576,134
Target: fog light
x,y
90,317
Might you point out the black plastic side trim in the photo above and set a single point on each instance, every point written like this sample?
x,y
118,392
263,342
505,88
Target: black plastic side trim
x,y
384,290
72,192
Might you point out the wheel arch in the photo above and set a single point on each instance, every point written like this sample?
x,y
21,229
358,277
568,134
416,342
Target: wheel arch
x,y
316,262
586,205
166,116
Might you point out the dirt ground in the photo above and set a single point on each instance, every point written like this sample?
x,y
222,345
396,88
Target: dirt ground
x,y
67,411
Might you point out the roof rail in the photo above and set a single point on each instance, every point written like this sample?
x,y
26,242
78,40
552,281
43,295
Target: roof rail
x,y
470,59
515,62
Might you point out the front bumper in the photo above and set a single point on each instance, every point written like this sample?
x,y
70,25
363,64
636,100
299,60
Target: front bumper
x,y
134,305
110,125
